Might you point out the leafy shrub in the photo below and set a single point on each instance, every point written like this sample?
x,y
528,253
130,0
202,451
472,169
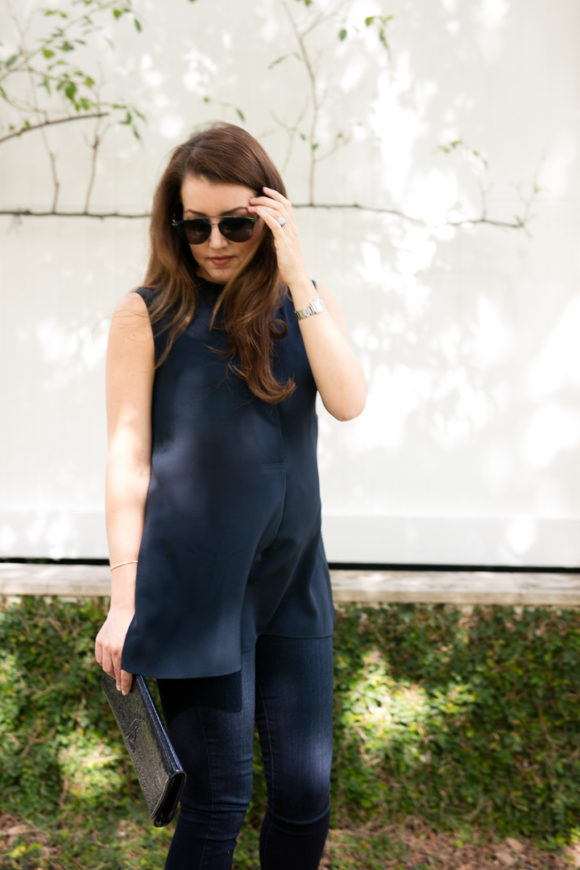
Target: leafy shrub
x,y
458,717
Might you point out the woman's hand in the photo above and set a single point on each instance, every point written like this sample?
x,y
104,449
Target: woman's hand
x,y
276,212
109,646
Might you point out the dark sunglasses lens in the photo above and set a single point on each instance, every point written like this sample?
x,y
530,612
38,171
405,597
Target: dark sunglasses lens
x,y
198,230
237,229
195,232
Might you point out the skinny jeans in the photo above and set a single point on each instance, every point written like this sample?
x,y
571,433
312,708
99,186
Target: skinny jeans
x,y
285,689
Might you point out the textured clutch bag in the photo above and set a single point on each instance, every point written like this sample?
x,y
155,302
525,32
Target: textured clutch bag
x,y
160,774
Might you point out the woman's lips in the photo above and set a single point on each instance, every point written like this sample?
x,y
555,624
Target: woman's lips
x,y
220,261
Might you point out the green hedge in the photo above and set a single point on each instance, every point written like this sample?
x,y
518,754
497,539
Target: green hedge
x,y
452,716
461,716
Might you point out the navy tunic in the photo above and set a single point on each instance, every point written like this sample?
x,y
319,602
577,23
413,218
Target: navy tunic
x,y
231,544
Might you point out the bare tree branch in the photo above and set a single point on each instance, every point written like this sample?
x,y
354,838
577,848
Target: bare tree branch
x,y
314,97
516,224
292,130
31,127
20,213
95,144
50,152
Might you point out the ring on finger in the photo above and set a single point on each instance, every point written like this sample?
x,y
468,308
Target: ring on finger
x,y
282,221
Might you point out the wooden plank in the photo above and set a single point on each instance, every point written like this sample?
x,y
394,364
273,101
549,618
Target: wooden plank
x,y
393,586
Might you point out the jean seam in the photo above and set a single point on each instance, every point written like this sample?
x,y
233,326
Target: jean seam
x,y
210,779
272,772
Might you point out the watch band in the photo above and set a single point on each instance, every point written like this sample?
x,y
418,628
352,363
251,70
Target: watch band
x,y
315,307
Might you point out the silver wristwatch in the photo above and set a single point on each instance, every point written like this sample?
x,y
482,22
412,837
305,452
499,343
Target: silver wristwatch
x,y
315,307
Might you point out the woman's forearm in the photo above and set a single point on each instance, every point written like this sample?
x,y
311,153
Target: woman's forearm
x,y
336,370
125,511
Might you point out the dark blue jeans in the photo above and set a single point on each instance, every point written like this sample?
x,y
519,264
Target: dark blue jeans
x,y
285,688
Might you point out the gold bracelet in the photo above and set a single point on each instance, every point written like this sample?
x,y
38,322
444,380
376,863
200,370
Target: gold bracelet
x,y
120,564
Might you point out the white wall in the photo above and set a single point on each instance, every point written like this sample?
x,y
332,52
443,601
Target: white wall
x,y
468,450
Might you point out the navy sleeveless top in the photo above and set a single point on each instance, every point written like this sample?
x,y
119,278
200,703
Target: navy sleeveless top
x,y
231,544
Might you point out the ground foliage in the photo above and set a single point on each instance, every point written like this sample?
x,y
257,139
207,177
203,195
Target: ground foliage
x,y
459,726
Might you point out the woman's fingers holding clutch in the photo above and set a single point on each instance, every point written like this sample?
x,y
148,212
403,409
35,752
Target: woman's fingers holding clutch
x,y
126,681
109,648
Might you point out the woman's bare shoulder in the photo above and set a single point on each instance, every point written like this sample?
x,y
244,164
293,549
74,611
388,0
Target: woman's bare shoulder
x,y
131,314
131,303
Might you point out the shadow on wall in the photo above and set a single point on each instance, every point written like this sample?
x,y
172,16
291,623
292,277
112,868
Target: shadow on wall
x,y
464,322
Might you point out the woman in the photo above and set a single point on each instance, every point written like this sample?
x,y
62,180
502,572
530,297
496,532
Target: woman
x,y
220,587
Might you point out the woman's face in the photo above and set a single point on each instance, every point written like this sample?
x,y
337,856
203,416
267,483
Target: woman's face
x,y
218,259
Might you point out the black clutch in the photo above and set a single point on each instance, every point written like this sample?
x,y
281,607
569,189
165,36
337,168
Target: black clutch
x,y
160,774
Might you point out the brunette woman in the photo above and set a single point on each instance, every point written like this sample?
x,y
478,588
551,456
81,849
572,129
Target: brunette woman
x,y
220,587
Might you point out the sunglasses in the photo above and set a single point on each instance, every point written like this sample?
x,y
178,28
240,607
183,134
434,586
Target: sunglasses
x,y
196,231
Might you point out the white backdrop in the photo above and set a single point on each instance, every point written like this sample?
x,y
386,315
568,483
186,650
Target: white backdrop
x,y
468,450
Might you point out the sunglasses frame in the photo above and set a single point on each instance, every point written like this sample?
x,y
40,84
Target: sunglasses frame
x,y
181,227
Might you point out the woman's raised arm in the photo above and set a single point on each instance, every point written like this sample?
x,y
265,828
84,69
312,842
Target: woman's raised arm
x,y
337,371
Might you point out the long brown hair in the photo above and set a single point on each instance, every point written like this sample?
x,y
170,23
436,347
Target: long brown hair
x,y
225,154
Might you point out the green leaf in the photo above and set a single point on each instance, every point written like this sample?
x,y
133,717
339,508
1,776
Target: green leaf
x,y
47,52
137,24
12,60
117,13
70,91
369,20
342,34
241,115
277,61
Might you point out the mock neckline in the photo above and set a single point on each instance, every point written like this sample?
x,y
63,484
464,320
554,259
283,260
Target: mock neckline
x,y
204,281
